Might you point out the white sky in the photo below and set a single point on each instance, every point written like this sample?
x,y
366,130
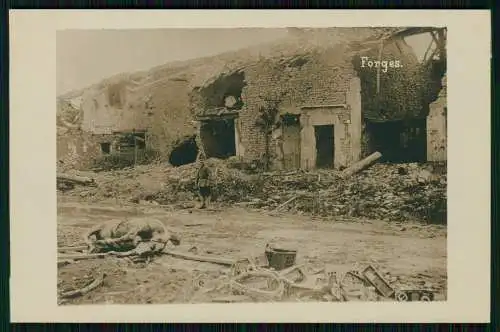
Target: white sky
x,y
85,57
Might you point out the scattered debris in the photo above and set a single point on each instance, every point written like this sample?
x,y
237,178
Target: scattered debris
x,y
272,276
396,192
284,204
260,282
82,291
381,285
405,295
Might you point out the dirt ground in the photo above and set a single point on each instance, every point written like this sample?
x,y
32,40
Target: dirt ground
x,y
409,255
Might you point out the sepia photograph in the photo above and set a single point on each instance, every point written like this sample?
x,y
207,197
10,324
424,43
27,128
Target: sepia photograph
x,y
251,165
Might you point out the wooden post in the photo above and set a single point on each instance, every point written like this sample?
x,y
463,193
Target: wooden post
x,y
318,197
135,151
381,47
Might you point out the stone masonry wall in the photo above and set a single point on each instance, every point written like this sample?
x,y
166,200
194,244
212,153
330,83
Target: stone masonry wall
x,y
161,107
310,80
339,118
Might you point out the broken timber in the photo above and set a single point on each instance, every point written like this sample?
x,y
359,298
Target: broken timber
x,y
361,165
286,203
215,260
77,248
82,256
75,179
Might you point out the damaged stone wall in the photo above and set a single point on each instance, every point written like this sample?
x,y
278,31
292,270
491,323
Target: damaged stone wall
x,y
306,80
161,106
100,116
76,149
165,103
112,108
437,127
67,114
309,79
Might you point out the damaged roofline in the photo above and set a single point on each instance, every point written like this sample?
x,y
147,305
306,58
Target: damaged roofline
x,y
226,72
415,31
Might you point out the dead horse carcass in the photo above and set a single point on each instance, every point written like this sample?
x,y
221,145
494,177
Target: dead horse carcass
x,y
125,235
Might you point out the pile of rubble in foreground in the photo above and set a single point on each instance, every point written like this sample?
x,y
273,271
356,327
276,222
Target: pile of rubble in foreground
x,y
396,192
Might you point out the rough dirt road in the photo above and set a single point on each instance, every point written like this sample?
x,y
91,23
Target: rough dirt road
x,y
413,254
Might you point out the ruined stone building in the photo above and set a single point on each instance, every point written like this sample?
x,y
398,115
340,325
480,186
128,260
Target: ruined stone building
x,y
325,108
125,116
298,107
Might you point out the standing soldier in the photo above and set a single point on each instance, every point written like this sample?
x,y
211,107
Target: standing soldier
x,y
203,184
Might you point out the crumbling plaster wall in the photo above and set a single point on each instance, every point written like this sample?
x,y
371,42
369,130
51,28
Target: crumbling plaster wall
x,y
166,105
115,107
436,127
100,114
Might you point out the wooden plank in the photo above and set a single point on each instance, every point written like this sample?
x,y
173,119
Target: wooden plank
x,y
78,248
381,48
207,259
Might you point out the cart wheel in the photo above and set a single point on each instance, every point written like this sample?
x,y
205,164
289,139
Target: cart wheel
x,y
401,297
425,298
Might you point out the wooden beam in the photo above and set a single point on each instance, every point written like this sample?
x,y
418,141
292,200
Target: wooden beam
x,y
208,259
381,48
217,117
431,56
361,165
442,43
427,51
414,31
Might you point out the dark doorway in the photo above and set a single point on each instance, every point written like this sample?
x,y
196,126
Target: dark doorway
x,y
291,141
324,146
184,152
218,138
398,141
105,148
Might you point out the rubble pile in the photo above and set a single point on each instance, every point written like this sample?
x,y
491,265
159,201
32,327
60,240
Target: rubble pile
x,y
384,191
229,185
395,192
